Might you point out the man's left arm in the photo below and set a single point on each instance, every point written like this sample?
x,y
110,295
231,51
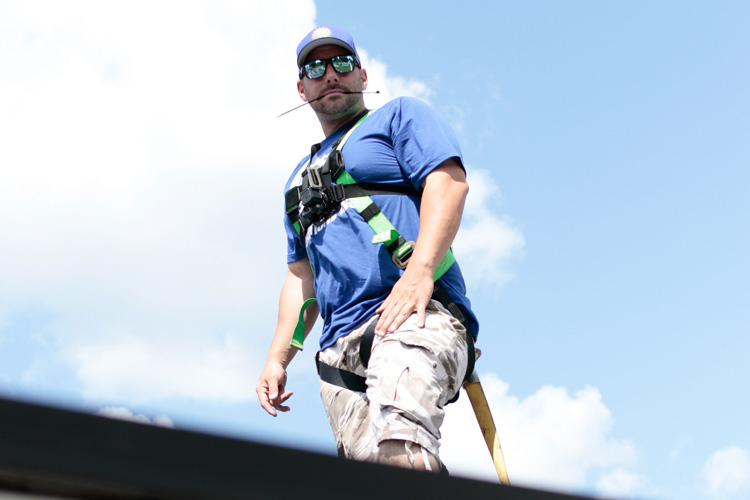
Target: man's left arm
x,y
443,197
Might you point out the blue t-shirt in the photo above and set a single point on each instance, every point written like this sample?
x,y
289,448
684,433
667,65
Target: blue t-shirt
x,y
399,144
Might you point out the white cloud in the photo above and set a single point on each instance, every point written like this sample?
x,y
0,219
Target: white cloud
x,y
727,472
389,86
550,439
142,165
487,241
620,483
122,413
139,369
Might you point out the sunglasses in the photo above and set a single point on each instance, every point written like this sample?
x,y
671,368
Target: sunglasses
x,y
317,68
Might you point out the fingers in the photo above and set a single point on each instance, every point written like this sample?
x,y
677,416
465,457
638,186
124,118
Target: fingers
x,y
403,301
272,402
278,403
391,318
265,401
264,396
421,311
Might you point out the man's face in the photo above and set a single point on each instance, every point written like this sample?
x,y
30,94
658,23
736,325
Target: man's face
x,y
335,104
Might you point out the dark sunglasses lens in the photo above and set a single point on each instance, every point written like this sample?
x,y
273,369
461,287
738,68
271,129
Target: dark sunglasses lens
x,y
315,69
343,64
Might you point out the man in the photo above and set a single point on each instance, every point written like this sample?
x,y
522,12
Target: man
x,y
410,161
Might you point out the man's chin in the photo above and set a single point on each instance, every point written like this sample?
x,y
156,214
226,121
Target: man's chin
x,y
338,105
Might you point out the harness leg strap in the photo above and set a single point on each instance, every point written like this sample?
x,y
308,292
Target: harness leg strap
x,y
341,378
365,345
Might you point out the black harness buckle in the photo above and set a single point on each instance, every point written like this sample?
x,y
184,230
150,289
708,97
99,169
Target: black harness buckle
x,y
402,254
334,194
314,178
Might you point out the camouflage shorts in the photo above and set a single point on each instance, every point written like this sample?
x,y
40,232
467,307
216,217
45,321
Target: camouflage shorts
x,y
412,374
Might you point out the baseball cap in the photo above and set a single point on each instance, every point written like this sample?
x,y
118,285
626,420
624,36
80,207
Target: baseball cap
x,y
324,35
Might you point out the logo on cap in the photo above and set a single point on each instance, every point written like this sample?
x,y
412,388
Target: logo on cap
x,y
321,33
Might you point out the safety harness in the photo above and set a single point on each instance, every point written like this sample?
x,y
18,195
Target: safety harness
x,y
319,195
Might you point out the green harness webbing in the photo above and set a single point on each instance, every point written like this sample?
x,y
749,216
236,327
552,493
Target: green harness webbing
x,y
385,233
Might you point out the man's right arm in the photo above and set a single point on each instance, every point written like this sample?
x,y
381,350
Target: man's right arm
x,y
298,287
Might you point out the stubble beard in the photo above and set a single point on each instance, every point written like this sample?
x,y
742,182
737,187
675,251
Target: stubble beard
x,y
337,106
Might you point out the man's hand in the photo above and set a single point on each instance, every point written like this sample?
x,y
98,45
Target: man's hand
x,y
410,294
270,388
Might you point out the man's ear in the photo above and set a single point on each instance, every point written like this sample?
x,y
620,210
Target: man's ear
x,y
301,90
363,75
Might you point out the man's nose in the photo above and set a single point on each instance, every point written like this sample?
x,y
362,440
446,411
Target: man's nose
x,y
330,75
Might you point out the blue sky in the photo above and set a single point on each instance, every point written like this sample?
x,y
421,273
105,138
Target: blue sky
x,y
605,242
